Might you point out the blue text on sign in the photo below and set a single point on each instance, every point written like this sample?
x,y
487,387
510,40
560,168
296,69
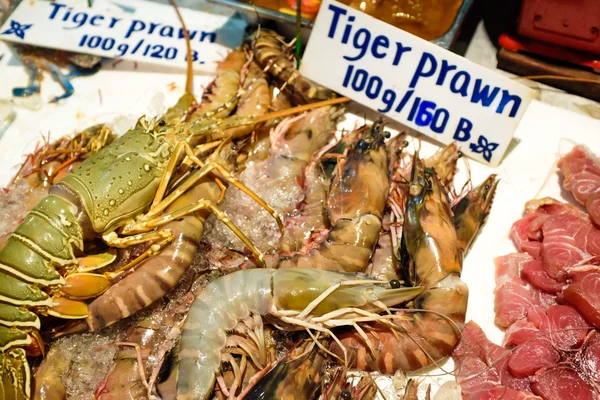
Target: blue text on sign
x,y
443,72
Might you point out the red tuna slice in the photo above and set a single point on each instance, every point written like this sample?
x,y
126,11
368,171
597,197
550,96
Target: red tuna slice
x,y
585,184
476,378
504,393
581,175
509,266
475,345
537,316
561,383
556,221
534,273
566,327
474,375
512,300
560,249
531,357
592,205
497,358
585,295
569,238
545,300
520,332
577,161
513,297
586,235
534,249
473,342
519,232
590,358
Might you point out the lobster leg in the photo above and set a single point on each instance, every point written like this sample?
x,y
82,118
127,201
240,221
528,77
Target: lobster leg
x,y
142,224
158,204
95,261
221,216
204,148
152,251
176,158
85,285
209,167
229,177
113,240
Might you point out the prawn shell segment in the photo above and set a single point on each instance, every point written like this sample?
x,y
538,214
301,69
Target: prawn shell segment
x,y
295,288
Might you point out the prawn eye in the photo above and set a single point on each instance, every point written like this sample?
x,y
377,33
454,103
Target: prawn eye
x,y
460,154
162,122
234,147
405,143
361,144
345,395
387,134
487,187
395,284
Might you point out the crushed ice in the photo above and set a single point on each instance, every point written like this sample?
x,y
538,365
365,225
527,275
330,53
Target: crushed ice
x,y
91,356
252,219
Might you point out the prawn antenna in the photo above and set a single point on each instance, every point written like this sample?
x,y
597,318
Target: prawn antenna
x,y
189,77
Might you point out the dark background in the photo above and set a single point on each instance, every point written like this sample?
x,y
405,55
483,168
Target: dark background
x,y
498,17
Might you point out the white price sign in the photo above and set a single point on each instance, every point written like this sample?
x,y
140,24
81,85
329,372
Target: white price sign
x,y
152,35
415,82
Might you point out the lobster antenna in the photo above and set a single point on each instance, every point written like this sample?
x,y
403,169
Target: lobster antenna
x,y
189,77
299,109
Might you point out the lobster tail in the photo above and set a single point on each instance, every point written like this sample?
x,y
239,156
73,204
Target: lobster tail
x,y
15,378
45,239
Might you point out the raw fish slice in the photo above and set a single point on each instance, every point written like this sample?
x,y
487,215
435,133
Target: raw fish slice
x,y
520,332
531,357
533,272
503,393
590,357
483,366
566,327
513,297
561,383
582,178
585,295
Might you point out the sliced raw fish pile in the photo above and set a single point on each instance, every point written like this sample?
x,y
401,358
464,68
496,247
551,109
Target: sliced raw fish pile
x,y
547,298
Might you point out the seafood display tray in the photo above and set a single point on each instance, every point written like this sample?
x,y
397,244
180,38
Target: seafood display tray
x,y
124,92
287,23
